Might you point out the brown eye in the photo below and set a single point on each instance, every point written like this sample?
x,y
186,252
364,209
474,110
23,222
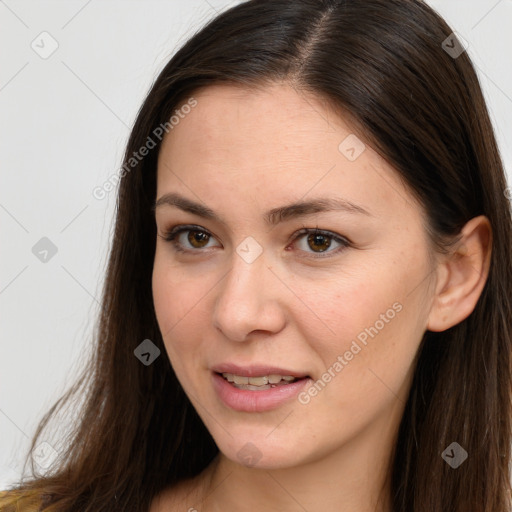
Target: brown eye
x,y
197,238
318,241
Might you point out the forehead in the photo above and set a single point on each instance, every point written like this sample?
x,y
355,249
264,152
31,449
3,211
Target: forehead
x,y
273,141
238,114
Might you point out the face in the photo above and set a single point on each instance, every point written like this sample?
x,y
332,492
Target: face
x,y
340,296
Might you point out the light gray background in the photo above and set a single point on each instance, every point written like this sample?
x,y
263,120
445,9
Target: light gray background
x,y
65,122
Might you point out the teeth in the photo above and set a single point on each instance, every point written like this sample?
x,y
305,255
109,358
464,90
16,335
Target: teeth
x,y
258,381
240,380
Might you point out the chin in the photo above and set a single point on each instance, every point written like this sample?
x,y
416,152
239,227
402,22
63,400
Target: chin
x,y
259,451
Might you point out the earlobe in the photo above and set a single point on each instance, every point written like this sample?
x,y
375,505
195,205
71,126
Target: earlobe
x,y
464,274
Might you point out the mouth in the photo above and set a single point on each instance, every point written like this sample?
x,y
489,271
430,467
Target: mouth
x,y
260,389
260,383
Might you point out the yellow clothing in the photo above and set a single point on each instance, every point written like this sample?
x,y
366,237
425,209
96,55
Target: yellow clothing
x,y
19,501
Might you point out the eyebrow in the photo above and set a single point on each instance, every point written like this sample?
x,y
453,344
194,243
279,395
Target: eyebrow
x,y
273,216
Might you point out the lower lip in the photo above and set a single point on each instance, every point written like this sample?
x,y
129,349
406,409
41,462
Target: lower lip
x,y
255,401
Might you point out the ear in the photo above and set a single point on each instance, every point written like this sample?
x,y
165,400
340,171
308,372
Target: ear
x,y
461,276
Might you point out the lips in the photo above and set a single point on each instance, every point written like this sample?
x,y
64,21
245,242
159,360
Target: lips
x,y
256,400
256,370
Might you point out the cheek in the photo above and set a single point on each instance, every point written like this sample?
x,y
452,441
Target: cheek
x,y
179,301
174,292
340,310
373,325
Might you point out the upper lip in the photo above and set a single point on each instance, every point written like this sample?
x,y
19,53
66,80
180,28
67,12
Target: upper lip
x,y
256,370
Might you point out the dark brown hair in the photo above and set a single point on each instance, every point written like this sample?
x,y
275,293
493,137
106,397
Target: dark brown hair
x,y
381,62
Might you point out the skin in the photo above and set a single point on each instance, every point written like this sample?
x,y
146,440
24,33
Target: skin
x,y
242,152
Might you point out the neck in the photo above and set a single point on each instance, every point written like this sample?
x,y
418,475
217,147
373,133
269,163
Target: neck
x,y
354,477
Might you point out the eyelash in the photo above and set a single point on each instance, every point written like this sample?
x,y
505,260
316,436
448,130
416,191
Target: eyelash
x,y
171,235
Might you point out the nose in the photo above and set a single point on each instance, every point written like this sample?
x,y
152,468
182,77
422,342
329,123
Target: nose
x,y
249,300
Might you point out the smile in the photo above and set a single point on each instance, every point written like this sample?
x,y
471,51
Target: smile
x,y
247,397
258,383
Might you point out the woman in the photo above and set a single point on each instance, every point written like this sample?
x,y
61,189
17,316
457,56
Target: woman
x,y
308,298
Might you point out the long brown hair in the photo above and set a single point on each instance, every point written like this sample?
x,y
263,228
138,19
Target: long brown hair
x,y
418,103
